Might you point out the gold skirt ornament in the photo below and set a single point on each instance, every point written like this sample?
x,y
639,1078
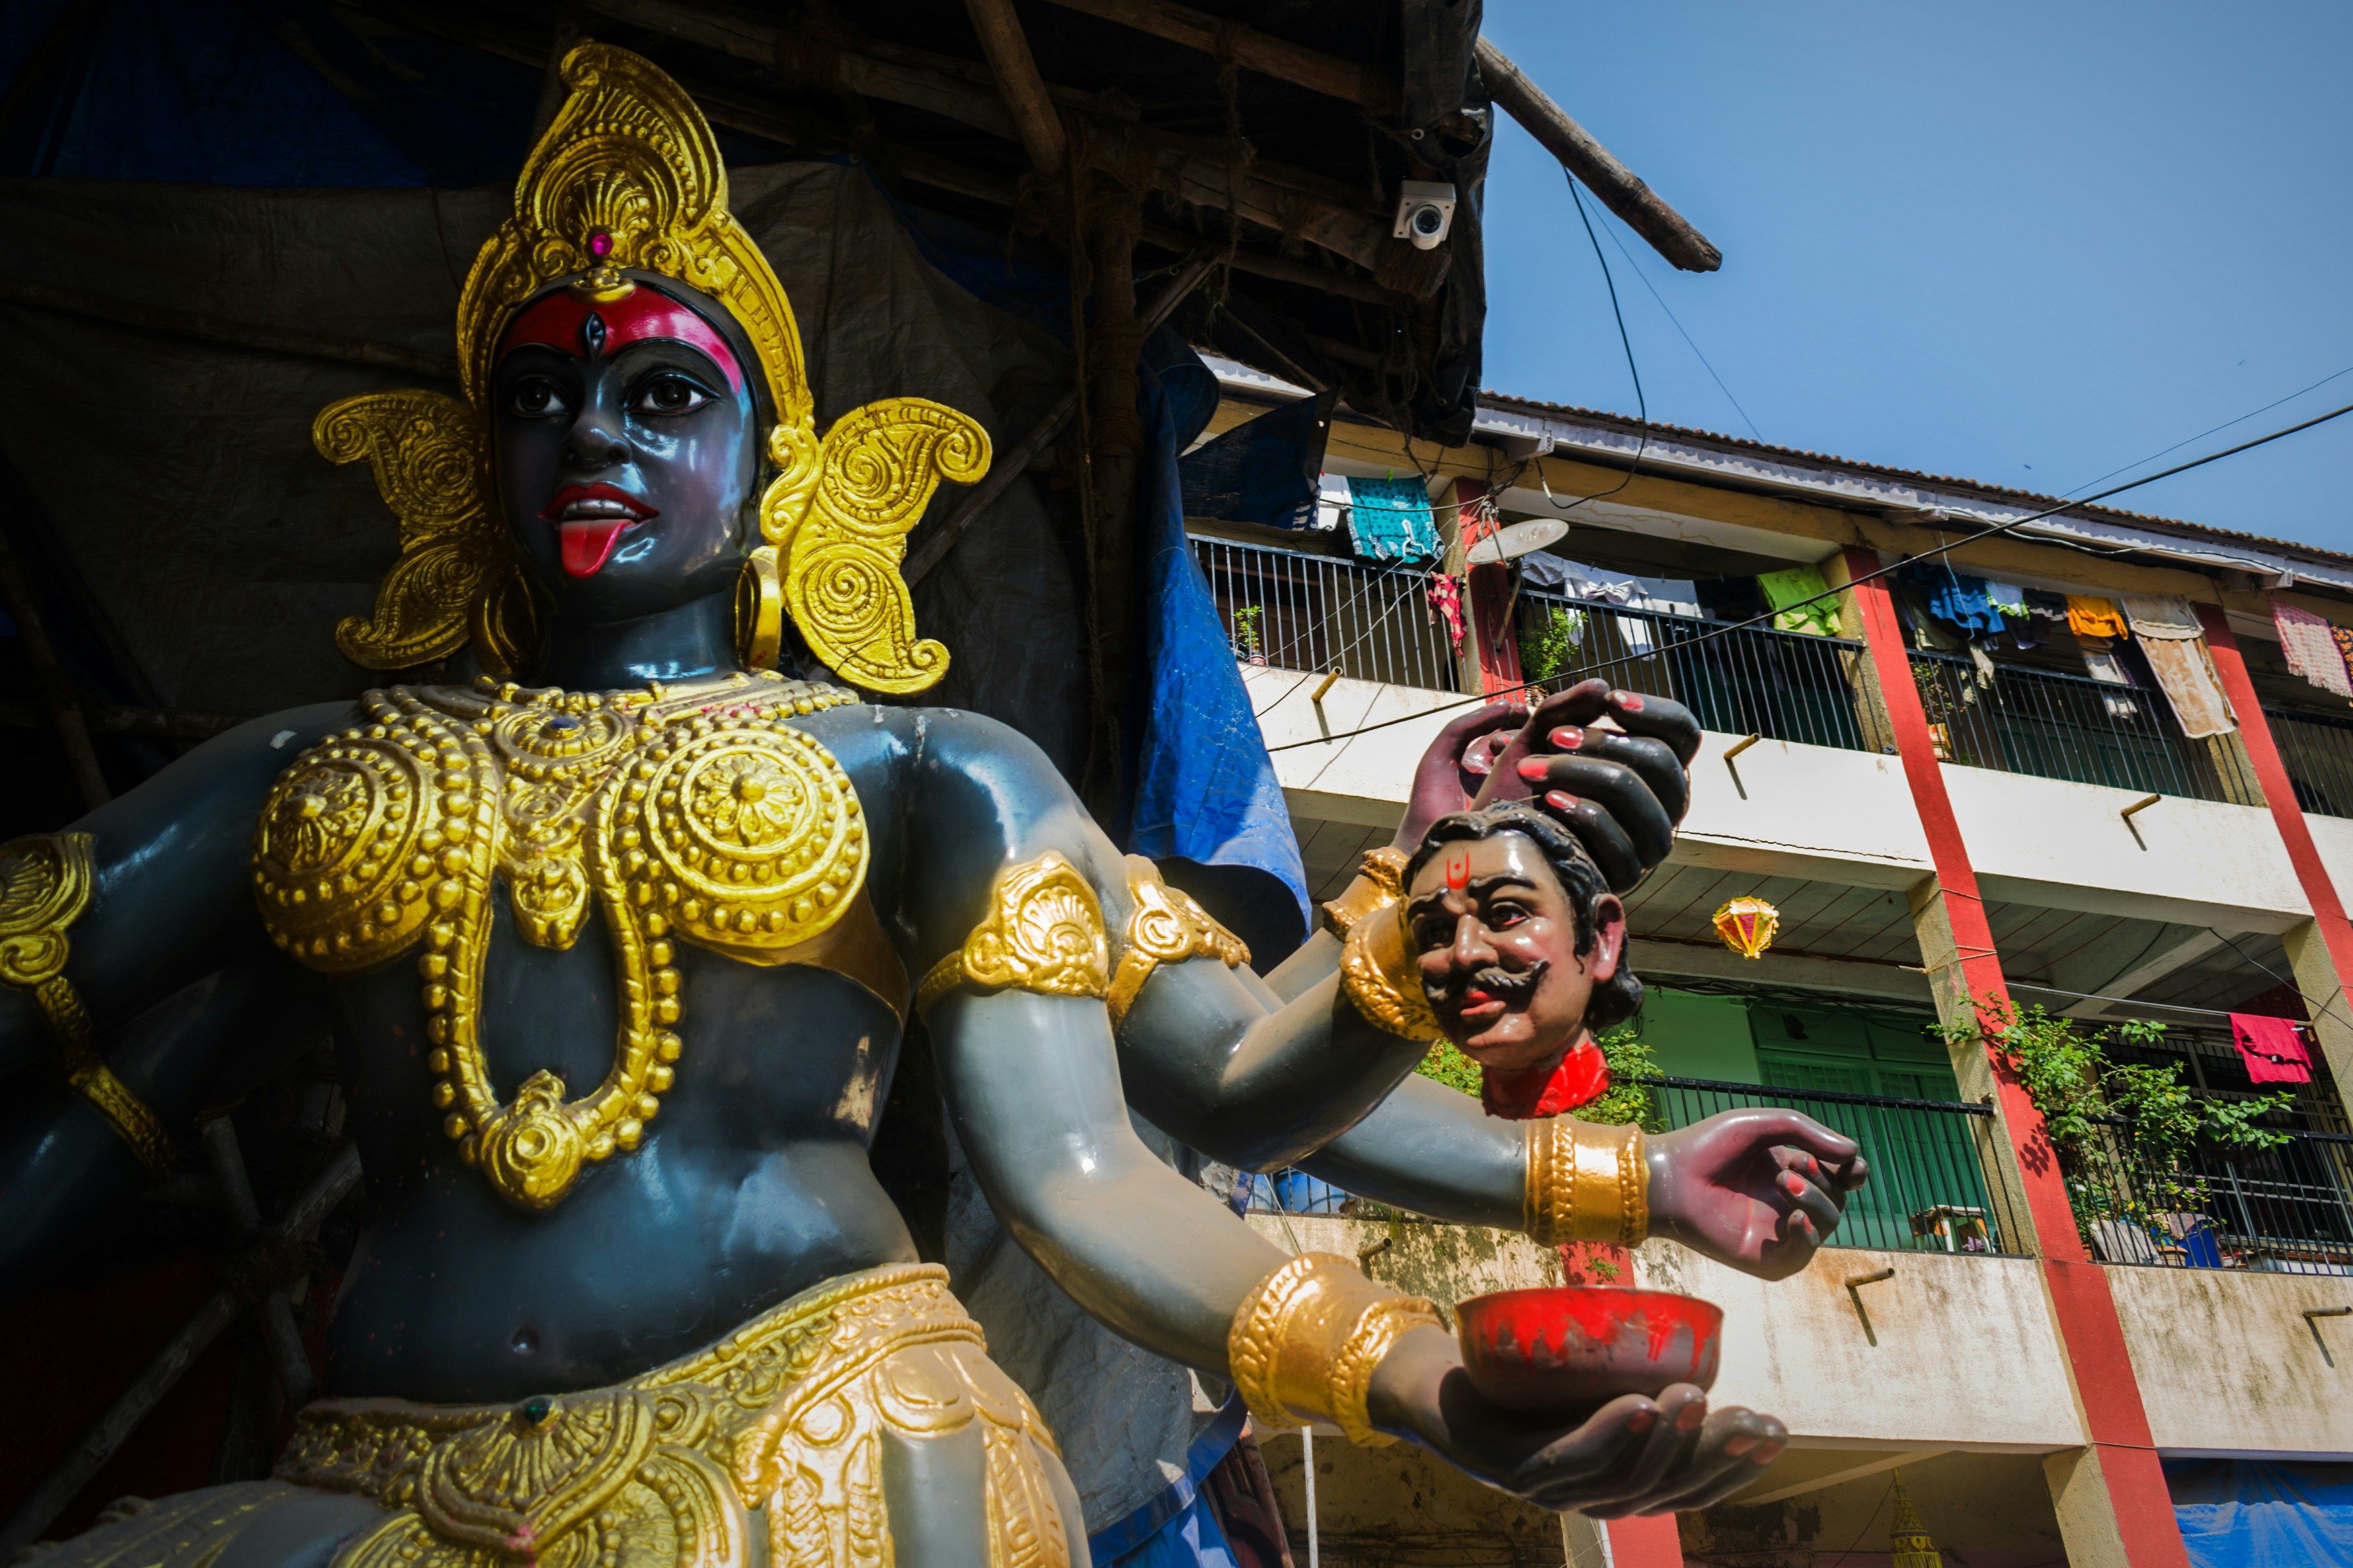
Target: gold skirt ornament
x,y
765,1449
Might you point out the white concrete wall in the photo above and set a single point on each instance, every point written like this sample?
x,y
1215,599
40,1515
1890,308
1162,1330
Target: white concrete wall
x,y
2228,1365
1785,809
2066,846
1967,1357
2333,836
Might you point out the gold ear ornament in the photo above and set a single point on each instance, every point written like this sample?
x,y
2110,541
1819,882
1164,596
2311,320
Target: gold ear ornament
x,y
628,178
759,611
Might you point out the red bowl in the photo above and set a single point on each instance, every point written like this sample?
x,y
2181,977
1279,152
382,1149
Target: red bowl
x,y
1581,1346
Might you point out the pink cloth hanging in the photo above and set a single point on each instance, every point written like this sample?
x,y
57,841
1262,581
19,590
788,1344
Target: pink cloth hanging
x,y
1447,595
2273,1048
2311,650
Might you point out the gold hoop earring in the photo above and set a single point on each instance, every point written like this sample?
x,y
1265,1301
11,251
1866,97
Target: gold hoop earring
x,y
760,610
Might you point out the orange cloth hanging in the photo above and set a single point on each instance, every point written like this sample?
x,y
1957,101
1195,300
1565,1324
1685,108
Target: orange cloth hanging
x,y
2089,617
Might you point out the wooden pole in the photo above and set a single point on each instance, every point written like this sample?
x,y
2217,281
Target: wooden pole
x,y
1247,47
55,693
107,1434
1620,188
1034,116
290,1362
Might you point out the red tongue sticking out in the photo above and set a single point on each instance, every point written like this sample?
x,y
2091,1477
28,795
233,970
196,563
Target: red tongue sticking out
x,y
586,545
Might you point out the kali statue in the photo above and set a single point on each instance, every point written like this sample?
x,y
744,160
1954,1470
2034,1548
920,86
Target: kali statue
x,y
621,940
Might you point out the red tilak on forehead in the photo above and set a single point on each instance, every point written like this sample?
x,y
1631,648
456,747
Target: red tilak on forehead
x,y
564,323
1457,870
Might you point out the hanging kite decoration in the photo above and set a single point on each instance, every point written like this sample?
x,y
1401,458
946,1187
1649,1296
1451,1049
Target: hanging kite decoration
x,y
1747,925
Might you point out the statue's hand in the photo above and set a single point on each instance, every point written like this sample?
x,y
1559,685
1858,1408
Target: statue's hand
x,y
1455,766
1757,1189
1632,1456
1621,793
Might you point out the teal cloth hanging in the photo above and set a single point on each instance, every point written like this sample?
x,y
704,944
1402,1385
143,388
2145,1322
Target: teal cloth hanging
x,y
1390,519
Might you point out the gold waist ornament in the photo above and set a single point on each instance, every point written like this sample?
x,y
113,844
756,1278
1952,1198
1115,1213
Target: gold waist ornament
x,y
788,1414
699,814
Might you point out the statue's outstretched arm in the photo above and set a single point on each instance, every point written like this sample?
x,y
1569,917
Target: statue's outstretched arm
x,y
1005,870
130,952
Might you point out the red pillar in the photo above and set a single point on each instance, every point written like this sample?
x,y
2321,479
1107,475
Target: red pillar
x,y
2085,1311
1487,600
2279,792
1649,1542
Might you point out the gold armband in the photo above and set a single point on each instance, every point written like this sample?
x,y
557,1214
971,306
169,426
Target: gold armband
x,y
1167,927
1043,932
1378,973
1586,1182
46,883
1305,1342
1380,882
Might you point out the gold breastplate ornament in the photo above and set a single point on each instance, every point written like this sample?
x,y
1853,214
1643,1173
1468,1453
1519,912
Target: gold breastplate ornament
x,y
696,813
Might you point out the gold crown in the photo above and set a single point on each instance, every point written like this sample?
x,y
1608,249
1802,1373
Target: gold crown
x,y
628,177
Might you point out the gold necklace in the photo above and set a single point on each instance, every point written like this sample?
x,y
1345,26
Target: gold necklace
x,y
699,814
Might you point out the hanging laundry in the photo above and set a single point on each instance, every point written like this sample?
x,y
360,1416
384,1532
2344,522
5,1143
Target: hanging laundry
x,y
1390,519
2109,670
2174,643
2007,597
1542,569
2343,638
1796,598
2310,648
1959,598
2272,1049
1447,597
2089,615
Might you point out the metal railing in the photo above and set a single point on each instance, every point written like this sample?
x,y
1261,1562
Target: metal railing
x,y
2072,727
1934,1186
2287,1209
1297,611
1788,686
2319,752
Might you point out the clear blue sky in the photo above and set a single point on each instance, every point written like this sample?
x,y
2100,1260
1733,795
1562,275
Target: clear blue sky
x,y
2022,244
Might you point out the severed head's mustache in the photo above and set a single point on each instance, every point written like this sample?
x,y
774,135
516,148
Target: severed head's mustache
x,y
1510,986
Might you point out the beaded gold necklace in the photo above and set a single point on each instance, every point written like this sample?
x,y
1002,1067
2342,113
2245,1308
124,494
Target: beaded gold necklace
x,y
697,813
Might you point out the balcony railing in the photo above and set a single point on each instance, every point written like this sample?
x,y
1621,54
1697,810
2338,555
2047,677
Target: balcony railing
x,y
2287,1209
2318,752
2059,726
1933,1188
1934,1184
1788,686
1297,611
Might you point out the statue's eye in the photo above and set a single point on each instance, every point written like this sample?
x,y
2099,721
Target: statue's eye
x,y
1503,914
535,398
669,394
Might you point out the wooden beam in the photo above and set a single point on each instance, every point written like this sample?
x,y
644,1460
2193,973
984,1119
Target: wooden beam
x,y
192,327
1024,89
1620,190
1249,49
1291,202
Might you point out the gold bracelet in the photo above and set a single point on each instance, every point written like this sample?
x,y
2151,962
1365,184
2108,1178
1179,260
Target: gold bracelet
x,y
1307,1340
1166,927
1043,932
1379,975
1586,1182
1380,881
47,881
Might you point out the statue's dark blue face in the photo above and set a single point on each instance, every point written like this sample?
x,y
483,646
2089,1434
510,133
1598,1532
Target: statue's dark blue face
x,y
628,461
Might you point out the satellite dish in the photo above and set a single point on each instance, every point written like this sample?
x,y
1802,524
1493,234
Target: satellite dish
x,y
1516,540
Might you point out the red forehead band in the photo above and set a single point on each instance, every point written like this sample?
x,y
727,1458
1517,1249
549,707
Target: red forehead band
x,y
588,330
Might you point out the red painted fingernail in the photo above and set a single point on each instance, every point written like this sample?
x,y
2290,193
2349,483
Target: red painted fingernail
x,y
1691,1415
1767,1453
1736,1446
1641,1421
1560,800
1532,768
1629,700
1569,737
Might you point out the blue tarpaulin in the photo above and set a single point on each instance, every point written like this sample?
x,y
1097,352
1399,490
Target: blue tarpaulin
x,y
2249,1513
1390,519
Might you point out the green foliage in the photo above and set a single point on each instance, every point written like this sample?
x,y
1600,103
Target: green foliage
x,y
1246,620
2122,1131
1545,649
1627,1101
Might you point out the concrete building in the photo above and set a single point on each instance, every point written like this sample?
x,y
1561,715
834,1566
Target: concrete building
x,y
2020,818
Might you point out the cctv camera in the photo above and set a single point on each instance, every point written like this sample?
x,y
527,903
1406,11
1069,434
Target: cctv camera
x,y
1425,213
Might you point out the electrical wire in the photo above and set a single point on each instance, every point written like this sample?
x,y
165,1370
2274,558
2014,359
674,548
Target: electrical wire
x,y
1716,632
2226,424
1641,402
1635,262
